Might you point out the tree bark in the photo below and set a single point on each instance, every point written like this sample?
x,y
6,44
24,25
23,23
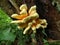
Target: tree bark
x,y
47,11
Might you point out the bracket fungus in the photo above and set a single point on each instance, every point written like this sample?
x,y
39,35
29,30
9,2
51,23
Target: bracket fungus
x,y
29,20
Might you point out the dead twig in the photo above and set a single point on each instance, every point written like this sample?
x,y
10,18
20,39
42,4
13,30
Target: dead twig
x,y
15,5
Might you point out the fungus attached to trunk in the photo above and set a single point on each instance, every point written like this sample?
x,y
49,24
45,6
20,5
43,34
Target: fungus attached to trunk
x,y
29,19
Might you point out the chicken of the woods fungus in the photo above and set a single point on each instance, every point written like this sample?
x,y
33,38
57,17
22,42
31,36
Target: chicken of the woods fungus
x,y
29,20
